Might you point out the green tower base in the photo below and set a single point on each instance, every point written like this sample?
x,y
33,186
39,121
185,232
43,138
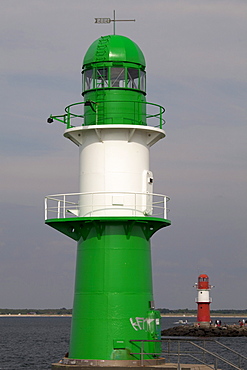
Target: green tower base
x,y
113,301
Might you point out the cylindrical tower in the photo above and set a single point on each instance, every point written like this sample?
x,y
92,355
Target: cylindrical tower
x,y
115,213
203,300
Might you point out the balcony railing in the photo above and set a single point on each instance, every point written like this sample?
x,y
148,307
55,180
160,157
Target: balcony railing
x,y
74,112
93,204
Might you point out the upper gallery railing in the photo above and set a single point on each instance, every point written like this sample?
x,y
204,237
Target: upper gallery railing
x,y
155,114
93,204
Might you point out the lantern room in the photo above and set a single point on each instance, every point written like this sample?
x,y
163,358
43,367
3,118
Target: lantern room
x,y
114,82
203,282
114,61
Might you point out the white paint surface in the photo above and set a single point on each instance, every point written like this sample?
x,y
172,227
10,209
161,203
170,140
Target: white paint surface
x,y
114,162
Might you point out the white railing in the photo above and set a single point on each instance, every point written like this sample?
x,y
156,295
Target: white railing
x,y
92,204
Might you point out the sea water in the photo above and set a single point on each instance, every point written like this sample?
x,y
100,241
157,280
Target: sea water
x,y
35,343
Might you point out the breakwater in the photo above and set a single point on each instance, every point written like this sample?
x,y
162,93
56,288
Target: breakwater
x,y
211,331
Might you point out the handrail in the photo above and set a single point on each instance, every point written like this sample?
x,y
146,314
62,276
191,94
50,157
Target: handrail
x,y
68,116
215,355
105,192
89,204
190,354
232,350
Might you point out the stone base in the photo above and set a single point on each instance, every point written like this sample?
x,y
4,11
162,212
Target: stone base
x,y
70,364
203,324
168,366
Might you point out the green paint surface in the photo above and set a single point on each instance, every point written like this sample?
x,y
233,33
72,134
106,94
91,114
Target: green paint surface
x,y
113,286
122,106
114,82
114,48
113,290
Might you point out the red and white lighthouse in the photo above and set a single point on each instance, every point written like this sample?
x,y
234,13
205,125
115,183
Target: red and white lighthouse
x,y
203,300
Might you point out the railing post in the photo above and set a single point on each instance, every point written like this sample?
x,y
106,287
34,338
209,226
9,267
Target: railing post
x,y
64,206
92,203
204,344
79,205
68,118
179,356
165,216
160,118
216,364
135,195
239,362
46,210
96,113
58,208
142,353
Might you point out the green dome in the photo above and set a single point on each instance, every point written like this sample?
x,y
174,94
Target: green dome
x,y
114,48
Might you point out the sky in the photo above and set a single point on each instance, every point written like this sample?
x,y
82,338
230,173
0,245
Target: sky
x,y
196,55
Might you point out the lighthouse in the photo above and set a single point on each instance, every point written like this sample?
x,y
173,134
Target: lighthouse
x,y
203,300
115,212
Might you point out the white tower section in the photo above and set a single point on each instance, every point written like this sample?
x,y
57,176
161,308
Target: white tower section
x,y
203,296
115,179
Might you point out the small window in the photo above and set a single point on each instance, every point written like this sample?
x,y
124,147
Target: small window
x,y
117,77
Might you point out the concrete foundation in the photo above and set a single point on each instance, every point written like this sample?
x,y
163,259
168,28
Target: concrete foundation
x,y
168,366
68,363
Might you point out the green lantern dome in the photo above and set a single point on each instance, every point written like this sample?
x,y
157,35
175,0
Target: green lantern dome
x,y
114,48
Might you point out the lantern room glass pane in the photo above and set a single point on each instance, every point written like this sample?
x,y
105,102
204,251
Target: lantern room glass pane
x,y
121,77
201,279
88,79
102,78
132,78
117,77
142,85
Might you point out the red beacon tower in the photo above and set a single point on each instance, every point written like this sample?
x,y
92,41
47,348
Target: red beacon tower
x,y
203,300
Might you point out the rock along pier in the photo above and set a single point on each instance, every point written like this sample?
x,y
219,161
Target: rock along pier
x,y
210,331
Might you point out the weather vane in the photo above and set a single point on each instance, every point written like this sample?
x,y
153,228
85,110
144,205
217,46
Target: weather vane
x,y
114,20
